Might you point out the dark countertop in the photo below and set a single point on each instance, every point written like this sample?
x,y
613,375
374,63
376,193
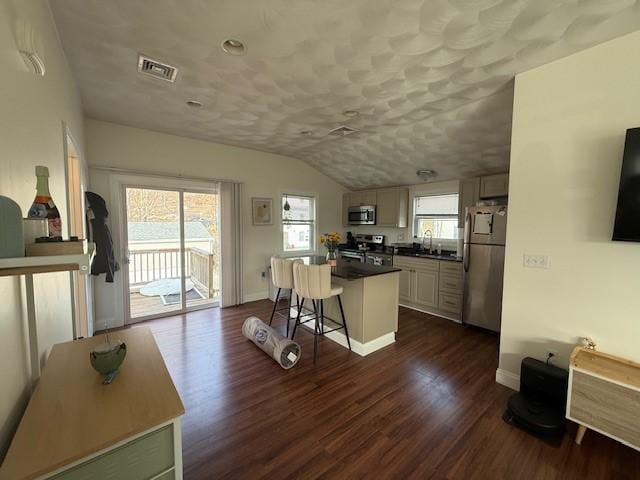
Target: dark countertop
x,y
351,270
433,256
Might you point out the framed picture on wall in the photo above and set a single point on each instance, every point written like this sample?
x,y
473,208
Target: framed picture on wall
x,y
262,211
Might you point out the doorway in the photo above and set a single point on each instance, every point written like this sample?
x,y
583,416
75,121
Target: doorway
x,y
172,249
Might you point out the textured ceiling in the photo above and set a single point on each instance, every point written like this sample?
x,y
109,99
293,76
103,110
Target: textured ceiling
x,y
432,79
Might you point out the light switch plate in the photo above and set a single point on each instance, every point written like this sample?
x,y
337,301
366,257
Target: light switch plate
x,y
536,261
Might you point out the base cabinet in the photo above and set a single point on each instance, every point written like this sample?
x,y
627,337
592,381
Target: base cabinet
x,y
406,290
432,286
426,288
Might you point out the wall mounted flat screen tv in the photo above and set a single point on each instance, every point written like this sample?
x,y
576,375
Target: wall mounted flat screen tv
x,y
627,224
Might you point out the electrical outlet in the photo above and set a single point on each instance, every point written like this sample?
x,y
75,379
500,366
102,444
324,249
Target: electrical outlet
x,y
401,237
535,261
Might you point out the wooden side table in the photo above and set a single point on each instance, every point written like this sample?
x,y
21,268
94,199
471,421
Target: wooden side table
x,y
604,396
76,427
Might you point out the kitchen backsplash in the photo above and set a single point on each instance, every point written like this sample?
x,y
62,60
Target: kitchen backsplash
x,y
398,235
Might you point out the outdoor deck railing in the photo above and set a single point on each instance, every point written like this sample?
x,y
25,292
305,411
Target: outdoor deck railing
x,y
148,265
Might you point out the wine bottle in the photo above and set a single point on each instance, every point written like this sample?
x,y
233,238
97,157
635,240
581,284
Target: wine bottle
x,y
43,205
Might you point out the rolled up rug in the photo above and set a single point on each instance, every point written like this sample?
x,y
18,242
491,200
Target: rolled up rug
x,y
283,350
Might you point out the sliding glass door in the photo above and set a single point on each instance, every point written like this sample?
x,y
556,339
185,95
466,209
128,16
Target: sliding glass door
x,y
172,251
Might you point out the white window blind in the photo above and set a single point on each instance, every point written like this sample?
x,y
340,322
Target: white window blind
x,y
437,214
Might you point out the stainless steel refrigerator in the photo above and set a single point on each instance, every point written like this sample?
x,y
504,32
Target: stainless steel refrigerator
x,y
485,231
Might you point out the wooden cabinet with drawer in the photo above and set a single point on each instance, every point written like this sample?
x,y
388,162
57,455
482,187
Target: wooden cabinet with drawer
x,y
450,302
450,297
418,281
604,395
433,286
127,430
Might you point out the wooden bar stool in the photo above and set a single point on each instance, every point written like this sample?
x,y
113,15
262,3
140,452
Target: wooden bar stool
x,y
314,282
282,277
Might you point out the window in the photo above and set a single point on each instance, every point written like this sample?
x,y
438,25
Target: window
x,y
298,223
437,214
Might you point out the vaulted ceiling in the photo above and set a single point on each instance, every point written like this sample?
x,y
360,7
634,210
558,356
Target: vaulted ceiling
x,y
432,80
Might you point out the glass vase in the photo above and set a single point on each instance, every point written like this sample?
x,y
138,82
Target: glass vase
x,y
332,258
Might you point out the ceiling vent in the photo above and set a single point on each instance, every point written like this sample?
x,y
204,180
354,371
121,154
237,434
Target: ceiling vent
x,y
157,69
343,131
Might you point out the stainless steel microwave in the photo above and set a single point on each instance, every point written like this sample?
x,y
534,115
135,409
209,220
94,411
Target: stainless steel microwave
x,y
362,215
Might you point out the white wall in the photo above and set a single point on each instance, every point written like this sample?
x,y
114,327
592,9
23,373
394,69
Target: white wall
x,y
569,123
263,175
32,110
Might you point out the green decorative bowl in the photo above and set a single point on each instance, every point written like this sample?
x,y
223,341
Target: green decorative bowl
x,y
106,360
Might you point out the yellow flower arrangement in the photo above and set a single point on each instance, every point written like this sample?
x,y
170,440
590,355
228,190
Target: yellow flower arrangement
x,y
331,240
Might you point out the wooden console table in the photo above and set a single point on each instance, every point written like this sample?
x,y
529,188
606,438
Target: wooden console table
x,y
604,395
75,427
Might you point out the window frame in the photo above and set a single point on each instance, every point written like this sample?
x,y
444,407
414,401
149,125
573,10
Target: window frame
x,y
415,217
313,223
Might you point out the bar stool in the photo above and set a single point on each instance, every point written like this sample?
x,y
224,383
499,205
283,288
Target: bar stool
x,y
282,277
314,282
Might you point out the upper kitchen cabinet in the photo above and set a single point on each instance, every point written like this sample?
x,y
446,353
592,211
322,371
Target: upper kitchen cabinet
x,y
469,195
364,197
492,186
392,207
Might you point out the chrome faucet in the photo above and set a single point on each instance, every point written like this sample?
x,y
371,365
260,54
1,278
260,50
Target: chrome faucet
x,y
430,240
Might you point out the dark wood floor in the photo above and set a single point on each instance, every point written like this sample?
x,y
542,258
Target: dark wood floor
x,y
425,407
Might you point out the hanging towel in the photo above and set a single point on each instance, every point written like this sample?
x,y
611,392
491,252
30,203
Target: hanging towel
x,y
99,233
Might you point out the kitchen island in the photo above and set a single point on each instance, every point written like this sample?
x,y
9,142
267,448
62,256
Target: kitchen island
x,y
370,301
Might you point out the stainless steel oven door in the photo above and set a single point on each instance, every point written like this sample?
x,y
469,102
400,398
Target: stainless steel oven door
x,y
363,215
352,256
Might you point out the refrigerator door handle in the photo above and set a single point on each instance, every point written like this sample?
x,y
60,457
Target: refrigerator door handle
x,y
467,238
465,257
467,228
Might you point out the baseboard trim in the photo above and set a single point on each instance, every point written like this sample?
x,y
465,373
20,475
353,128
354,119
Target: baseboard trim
x,y
508,379
254,297
437,314
362,349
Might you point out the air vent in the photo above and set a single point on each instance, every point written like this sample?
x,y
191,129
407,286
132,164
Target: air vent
x,y
157,69
343,131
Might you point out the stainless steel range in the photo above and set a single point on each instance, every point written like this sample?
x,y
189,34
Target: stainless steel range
x,y
367,248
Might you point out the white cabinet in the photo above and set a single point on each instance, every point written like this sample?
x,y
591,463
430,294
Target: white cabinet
x,y
346,203
469,195
364,197
492,186
406,284
426,291
431,285
392,207
418,281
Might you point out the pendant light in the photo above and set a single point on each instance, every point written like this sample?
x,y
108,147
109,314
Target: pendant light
x,y
287,207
